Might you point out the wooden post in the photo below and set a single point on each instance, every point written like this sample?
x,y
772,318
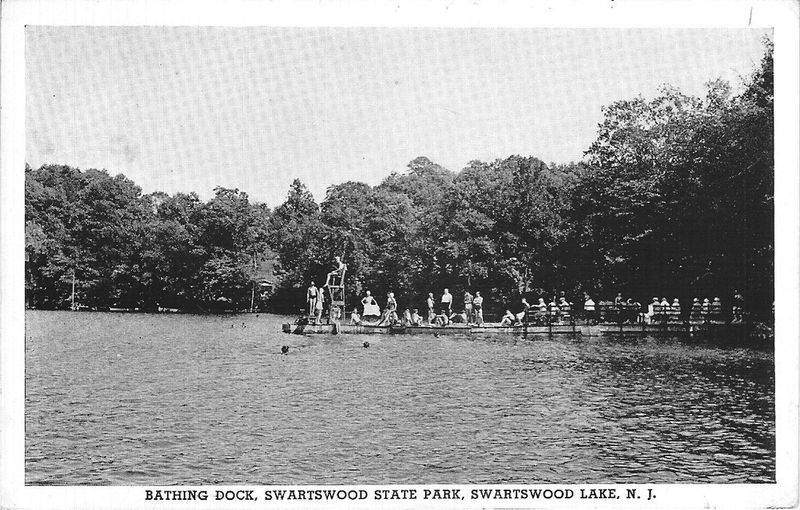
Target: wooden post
x,y
72,306
253,290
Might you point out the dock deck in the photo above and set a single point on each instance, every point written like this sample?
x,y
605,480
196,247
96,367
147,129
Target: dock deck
x,y
603,329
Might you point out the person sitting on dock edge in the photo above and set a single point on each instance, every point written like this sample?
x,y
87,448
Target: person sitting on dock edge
x,y
675,310
508,319
555,313
442,319
716,310
588,307
416,319
706,309
542,306
696,312
459,317
651,311
565,308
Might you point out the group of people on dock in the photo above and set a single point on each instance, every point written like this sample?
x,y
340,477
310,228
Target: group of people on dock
x,y
315,299
662,310
557,310
472,313
315,296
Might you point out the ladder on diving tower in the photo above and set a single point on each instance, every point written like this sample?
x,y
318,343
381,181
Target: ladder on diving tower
x,y
335,284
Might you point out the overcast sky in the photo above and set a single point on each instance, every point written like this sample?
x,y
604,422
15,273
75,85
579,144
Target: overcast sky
x,y
189,109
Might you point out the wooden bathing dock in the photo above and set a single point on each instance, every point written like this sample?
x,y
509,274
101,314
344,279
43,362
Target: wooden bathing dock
x,y
574,329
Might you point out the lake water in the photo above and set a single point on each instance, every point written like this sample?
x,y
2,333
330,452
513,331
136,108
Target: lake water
x,y
128,399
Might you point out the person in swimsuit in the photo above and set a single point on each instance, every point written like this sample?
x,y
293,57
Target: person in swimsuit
x,y
320,304
523,315
341,267
311,299
431,312
542,306
468,305
477,307
447,301
390,314
508,319
443,319
459,318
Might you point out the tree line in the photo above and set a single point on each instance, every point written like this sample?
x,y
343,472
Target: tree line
x,y
673,198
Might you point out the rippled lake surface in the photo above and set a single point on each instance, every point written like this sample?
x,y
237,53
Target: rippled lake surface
x,y
184,399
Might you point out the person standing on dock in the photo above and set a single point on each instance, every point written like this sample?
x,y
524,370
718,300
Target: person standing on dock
x,y
320,304
431,311
390,314
477,306
391,302
371,308
468,306
447,301
311,299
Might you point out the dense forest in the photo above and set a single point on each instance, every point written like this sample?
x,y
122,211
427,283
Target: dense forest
x,y
673,198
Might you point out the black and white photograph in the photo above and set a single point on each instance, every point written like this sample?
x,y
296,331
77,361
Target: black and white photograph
x,y
261,263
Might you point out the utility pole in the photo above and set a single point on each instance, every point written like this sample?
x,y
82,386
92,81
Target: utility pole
x,y
253,290
73,290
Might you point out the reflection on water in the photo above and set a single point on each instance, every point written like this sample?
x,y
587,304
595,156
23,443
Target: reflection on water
x,y
179,399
